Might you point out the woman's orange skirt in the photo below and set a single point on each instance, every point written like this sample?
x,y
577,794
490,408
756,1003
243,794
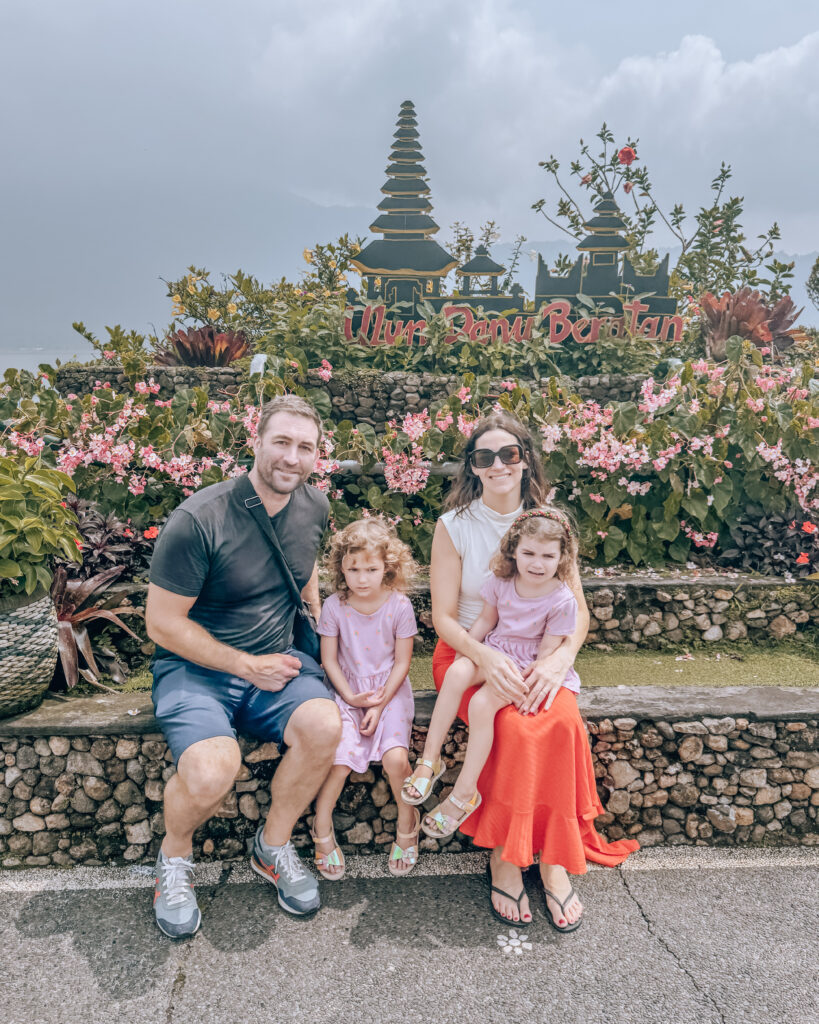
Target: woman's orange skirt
x,y
538,788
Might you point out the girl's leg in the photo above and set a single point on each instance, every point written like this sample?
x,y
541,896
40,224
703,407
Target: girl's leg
x,y
508,878
482,710
325,805
395,763
460,675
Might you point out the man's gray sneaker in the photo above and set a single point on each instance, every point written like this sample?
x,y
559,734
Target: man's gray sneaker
x,y
175,907
297,888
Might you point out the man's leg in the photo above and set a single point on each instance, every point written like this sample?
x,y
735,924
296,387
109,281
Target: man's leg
x,y
306,711
204,776
311,735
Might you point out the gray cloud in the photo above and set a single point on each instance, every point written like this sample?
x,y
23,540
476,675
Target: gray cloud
x,y
145,137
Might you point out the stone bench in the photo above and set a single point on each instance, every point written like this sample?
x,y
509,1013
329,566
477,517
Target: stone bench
x,y
83,778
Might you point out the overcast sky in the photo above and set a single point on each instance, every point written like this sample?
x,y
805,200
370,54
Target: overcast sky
x,y
143,136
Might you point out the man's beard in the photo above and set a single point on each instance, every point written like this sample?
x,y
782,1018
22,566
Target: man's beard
x,y
268,467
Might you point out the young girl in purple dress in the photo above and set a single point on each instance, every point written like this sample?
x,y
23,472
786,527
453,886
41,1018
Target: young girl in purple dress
x,y
527,610
367,627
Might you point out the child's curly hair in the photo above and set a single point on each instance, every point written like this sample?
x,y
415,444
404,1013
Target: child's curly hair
x,y
543,523
376,536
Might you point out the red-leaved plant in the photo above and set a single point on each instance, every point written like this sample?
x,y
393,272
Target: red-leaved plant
x,y
69,596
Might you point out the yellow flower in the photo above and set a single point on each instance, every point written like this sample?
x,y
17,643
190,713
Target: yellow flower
x,y
355,250
308,255
213,314
232,307
191,290
177,299
333,264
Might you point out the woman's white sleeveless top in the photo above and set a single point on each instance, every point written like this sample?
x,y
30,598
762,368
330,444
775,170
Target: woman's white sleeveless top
x,y
476,532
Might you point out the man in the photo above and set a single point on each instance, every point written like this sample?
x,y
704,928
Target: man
x,y
221,613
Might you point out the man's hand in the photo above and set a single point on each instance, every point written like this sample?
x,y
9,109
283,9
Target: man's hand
x,y
369,722
367,698
269,671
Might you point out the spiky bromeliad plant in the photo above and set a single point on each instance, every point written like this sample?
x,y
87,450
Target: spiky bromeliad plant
x,y
203,346
69,596
745,314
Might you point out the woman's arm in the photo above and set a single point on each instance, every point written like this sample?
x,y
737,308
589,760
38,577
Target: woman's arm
x,y
485,622
500,672
545,676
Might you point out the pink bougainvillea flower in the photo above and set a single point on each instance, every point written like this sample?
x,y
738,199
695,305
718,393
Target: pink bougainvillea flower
x,y
627,156
629,185
803,558
585,179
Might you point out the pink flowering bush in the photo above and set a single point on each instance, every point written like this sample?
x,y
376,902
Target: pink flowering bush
x,y
666,477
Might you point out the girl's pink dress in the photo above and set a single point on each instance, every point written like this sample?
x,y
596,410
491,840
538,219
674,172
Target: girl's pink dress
x,y
366,654
522,621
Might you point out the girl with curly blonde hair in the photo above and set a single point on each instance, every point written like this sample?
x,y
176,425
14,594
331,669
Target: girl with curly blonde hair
x,y
527,610
367,627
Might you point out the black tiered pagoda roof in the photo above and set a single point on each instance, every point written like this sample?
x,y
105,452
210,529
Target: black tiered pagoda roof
x,y
406,250
604,228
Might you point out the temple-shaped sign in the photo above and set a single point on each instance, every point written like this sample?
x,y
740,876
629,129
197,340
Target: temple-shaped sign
x,y
407,266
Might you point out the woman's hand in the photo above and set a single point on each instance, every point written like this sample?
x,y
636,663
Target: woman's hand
x,y
544,678
369,721
502,675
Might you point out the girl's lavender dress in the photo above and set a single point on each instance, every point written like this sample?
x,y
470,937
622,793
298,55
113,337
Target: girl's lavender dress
x,y
522,621
366,654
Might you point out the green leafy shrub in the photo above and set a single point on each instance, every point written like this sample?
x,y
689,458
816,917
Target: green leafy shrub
x,y
35,524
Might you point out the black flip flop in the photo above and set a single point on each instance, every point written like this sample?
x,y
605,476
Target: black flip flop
x,y
562,905
505,920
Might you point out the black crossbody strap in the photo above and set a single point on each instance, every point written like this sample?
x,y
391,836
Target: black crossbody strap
x,y
253,503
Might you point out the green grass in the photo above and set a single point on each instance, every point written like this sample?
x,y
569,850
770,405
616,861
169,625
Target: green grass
x,y
739,667
653,668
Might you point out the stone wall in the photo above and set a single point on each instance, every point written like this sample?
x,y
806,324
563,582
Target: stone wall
x,y
364,396
83,780
631,612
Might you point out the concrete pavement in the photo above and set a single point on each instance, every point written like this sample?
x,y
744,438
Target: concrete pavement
x,y
674,936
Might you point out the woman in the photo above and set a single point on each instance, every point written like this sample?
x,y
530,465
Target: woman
x,y
538,786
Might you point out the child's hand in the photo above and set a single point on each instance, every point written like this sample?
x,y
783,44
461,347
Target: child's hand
x,y
367,698
369,722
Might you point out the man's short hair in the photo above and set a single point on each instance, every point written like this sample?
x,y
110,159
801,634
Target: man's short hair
x,y
293,404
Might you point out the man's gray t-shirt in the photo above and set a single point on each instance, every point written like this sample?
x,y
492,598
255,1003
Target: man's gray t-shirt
x,y
211,549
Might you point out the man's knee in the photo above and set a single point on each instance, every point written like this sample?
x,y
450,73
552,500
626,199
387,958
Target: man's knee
x,y
316,726
208,768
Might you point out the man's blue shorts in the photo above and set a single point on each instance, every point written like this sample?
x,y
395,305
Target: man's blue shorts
x,y
192,703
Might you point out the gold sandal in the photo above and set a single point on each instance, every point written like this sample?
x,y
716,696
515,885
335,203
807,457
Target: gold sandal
x,y
333,859
407,853
438,825
422,784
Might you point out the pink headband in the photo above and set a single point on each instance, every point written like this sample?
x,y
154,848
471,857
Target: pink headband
x,y
545,513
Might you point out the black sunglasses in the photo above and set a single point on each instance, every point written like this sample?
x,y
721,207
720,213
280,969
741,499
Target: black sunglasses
x,y
483,458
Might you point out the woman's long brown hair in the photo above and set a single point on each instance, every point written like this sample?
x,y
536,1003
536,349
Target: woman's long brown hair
x,y
466,486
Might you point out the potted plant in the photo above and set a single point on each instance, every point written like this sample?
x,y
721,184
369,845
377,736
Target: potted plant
x,y
35,526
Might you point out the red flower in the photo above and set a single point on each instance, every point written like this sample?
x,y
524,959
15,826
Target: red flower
x,y
627,156
629,185
792,524
585,179
151,532
809,527
78,543
127,533
802,559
